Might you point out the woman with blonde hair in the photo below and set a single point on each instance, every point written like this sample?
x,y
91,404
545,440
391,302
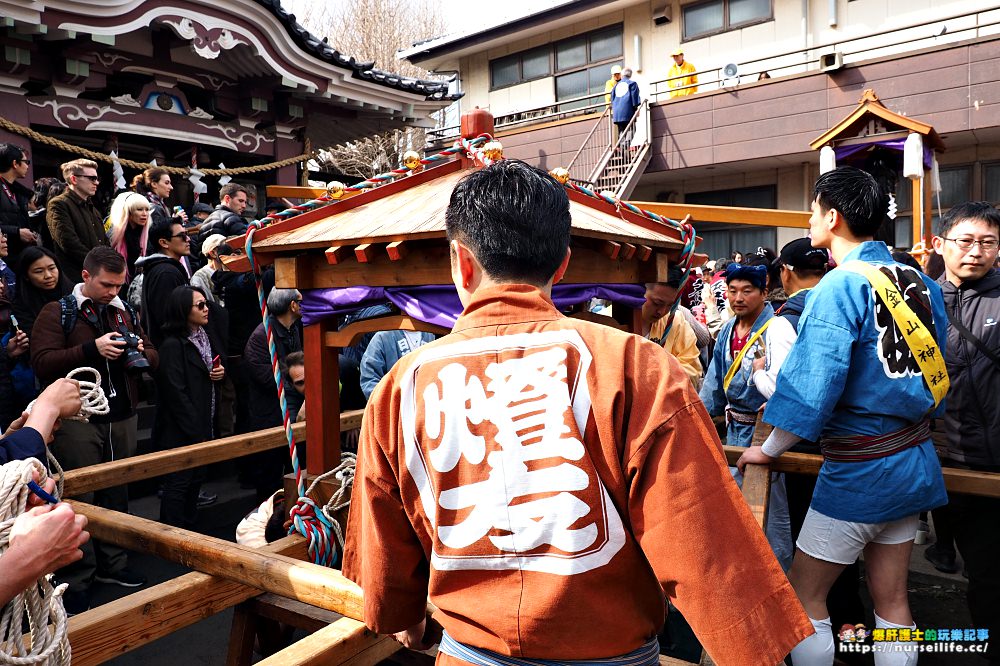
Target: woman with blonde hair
x,y
129,228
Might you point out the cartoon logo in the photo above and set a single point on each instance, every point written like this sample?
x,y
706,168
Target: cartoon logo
x,y
893,350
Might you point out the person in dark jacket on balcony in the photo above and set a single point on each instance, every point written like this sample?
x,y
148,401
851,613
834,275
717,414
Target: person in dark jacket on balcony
x,y
968,242
624,101
227,218
162,272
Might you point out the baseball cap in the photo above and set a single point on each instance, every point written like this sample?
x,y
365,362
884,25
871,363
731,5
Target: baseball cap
x,y
212,242
678,51
617,69
801,254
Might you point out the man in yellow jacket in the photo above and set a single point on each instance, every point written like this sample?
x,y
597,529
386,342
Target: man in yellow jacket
x,y
681,74
609,85
671,330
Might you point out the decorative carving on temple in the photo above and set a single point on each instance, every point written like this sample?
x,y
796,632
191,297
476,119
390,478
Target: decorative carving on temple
x,y
108,60
70,114
214,82
198,112
126,100
206,42
246,141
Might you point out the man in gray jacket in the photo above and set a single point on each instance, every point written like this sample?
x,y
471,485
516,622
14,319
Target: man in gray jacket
x,y
968,241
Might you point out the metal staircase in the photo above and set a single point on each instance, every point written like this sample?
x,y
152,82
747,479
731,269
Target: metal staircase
x,y
614,164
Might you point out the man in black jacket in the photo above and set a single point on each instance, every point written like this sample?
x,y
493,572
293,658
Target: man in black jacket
x,y
14,164
968,242
162,272
226,218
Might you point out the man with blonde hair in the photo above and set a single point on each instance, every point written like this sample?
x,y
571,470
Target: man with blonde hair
x,y
73,220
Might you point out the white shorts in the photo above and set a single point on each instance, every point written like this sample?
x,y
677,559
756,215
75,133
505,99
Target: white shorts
x,y
841,542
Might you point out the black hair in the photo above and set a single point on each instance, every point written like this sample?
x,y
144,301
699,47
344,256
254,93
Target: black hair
x,y
515,219
295,358
106,258
45,189
765,256
856,195
674,275
160,230
976,211
30,300
175,317
905,258
10,153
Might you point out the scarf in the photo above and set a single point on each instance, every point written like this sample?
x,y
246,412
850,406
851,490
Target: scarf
x,y
199,338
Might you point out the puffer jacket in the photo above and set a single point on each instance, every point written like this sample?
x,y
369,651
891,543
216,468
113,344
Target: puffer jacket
x,y
222,221
972,420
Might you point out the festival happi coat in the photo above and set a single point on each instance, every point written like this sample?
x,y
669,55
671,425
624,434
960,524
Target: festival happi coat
x,y
547,481
878,388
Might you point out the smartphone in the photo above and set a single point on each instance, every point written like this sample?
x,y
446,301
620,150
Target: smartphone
x,y
216,362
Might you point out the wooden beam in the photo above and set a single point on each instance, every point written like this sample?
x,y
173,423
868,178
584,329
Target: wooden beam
x,y
335,254
396,250
728,214
299,192
344,641
302,581
122,625
961,481
322,397
136,468
364,253
432,265
757,478
610,249
599,319
628,251
350,334
645,252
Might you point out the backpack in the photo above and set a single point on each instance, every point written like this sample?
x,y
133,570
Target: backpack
x,y
68,309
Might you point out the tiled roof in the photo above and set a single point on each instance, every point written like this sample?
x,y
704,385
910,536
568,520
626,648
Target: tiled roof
x,y
436,90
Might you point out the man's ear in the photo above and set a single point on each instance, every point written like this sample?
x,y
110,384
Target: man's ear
x,y
938,243
464,263
561,271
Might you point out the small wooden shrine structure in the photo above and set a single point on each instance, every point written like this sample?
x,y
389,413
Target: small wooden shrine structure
x,y
871,125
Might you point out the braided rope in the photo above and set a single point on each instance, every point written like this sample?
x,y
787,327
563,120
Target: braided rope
x,y
142,166
92,397
49,640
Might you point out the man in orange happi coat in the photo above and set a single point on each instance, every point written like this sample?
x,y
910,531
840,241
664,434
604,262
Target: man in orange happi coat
x,y
550,482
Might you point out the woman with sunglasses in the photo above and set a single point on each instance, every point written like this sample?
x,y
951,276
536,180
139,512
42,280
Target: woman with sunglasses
x,y
188,380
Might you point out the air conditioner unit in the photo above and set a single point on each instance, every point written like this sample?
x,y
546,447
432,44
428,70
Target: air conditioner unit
x,y
663,15
831,62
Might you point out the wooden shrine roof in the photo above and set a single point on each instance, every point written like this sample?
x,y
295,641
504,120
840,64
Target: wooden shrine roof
x,y
871,106
417,213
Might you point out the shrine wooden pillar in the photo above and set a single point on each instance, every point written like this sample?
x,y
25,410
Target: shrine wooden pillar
x,y
322,399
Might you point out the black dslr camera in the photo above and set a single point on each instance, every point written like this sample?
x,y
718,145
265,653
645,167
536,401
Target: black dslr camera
x,y
135,360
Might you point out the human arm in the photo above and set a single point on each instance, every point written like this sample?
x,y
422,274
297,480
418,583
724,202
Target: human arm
x,y
712,394
42,540
50,357
373,364
682,343
257,358
174,392
778,342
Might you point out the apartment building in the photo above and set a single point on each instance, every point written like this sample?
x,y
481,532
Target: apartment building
x,y
773,75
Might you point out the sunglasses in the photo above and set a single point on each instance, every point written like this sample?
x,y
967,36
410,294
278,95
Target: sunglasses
x,y
183,235
201,305
93,179
28,162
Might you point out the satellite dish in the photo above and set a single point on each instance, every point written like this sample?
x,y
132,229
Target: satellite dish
x,y
731,70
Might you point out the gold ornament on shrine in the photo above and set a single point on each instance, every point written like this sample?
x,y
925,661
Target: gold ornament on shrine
x,y
411,160
561,174
335,189
493,151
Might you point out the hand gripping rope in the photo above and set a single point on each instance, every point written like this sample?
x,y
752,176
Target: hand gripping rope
x,y
49,645
311,521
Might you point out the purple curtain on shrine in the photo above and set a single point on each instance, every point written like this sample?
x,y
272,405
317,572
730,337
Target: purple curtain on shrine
x,y
439,304
843,152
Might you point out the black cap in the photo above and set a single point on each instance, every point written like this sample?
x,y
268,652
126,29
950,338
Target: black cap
x,y
801,254
200,208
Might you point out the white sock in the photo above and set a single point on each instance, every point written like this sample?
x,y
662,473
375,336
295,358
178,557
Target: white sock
x,y
816,650
888,655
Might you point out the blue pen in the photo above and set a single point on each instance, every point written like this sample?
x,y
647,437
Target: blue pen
x,y
38,490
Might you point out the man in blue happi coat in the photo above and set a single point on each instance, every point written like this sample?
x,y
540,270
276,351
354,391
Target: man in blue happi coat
x,y
863,378
729,389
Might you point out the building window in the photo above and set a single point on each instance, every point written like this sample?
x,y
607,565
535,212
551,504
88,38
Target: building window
x,y
720,240
991,183
520,67
708,18
956,188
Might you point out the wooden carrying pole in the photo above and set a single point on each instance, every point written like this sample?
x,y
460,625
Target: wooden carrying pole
x,y
345,642
303,581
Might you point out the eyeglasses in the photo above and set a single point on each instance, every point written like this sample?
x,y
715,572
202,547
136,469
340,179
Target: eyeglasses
x,y
93,179
201,305
183,235
25,161
965,244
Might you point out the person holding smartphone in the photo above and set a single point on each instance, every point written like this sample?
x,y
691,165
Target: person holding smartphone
x,y
191,372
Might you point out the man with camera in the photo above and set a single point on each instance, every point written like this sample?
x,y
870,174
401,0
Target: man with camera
x,y
93,327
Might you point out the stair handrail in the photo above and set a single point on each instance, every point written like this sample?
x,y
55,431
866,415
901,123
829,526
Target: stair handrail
x,y
641,111
597,125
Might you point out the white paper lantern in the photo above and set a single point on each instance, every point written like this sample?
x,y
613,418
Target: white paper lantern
x,y
827,159
913,156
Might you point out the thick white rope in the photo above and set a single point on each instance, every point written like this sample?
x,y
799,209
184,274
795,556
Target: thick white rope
x,y
41,602
49,641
